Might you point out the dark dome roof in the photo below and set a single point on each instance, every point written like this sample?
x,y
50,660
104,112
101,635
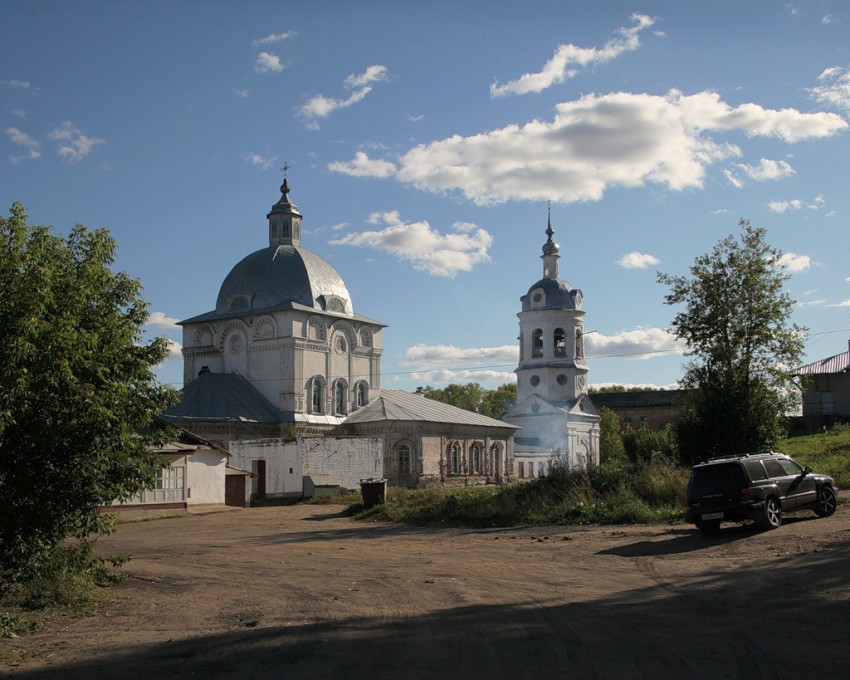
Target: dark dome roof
x,y
558,293
277,275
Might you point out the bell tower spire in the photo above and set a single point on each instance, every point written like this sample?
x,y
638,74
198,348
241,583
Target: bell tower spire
x,y
284,218
550,255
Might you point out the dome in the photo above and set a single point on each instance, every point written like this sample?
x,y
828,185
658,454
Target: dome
x,y
273,277
554,294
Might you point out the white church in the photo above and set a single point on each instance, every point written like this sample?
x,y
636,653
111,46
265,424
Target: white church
x,y
284,356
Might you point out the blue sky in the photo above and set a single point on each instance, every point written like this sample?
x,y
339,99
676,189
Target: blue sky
x,y
424,141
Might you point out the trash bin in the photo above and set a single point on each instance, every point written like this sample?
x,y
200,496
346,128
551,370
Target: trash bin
x,y
373,491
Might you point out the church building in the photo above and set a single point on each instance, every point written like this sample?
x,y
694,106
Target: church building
x,y
559,421
282,348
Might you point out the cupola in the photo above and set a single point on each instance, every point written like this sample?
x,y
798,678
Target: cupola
x,y
284,220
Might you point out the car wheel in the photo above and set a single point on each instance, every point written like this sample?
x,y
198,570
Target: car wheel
x,y
826,502
772,516
709,528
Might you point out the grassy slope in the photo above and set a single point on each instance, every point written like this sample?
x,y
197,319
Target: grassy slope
x,y
828,453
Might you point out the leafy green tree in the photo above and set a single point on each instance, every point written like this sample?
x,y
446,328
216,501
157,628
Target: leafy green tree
x,y
611,449
77,390
473,397
644,446
736,321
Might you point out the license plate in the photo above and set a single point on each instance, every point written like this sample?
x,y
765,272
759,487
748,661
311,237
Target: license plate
x,y
712,515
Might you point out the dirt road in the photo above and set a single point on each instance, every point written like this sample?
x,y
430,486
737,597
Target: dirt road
x,y
304,592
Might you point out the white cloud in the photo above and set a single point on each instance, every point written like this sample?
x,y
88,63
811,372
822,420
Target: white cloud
x,y
780,207
826,20
636,260
372,74
446,376
244,93
562,65
834,89
643,386
21,138
449,355
267,63
843,303
795,263
174,350
641,343
363,166
594,143
320,106
73,145
766,170
259,160
275,37
416,119
159,320
426,248
17,84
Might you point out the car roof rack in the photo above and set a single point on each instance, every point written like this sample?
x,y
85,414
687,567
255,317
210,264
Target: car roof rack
x,y
742,455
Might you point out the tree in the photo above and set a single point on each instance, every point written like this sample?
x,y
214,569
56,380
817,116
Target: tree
x,y
473,397
736,322
76,388
611,451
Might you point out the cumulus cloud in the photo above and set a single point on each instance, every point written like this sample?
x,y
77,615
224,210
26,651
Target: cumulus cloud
x,y
267,63
795,263
641,343
320,106
174,350
449,355
765,170
425,247
636,260
363,166
780,207
160,320
274,38
593,143
562,66
834,89
21,138
259,160
73,145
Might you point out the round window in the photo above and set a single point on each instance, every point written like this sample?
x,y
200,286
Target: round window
x,y
537,297
535,380
562,379
340,344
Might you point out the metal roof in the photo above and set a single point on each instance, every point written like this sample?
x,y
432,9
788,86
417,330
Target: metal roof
x,y
643,399
840,363
404,406
223,396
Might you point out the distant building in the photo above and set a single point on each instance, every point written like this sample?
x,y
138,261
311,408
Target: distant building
x,y
826,397
558,419
652,409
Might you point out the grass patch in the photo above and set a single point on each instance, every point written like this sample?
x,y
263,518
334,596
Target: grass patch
x,y
640,494
826,452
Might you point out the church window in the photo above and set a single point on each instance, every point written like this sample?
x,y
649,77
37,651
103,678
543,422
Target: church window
x,y
521,470
341,345
560,343
340,397
454,459
537,343
476,458
335,305
562,379
287,231
495,457
535,380
403,451
362,393
317,401
579,344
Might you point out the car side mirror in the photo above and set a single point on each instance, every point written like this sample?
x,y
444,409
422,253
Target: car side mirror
x,y
807,470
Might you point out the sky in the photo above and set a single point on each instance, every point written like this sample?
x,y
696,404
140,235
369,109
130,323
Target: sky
x,y
425,144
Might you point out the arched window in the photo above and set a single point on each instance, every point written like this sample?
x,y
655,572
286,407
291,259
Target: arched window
x,y
362,393
340,398
317,395
494,458
453,462
404,457
537,343
560,343
579,344
475,455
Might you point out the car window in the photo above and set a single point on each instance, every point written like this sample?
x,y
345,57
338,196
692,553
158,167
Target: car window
x,y
774,469
755,470
716,479
790,467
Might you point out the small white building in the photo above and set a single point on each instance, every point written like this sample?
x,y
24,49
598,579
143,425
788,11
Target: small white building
x,y
559,421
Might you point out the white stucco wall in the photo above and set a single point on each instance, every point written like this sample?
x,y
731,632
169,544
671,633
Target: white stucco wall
x,y
205,477
346,459
283,463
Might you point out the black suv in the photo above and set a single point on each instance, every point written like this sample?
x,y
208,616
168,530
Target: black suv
x,y
756,486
